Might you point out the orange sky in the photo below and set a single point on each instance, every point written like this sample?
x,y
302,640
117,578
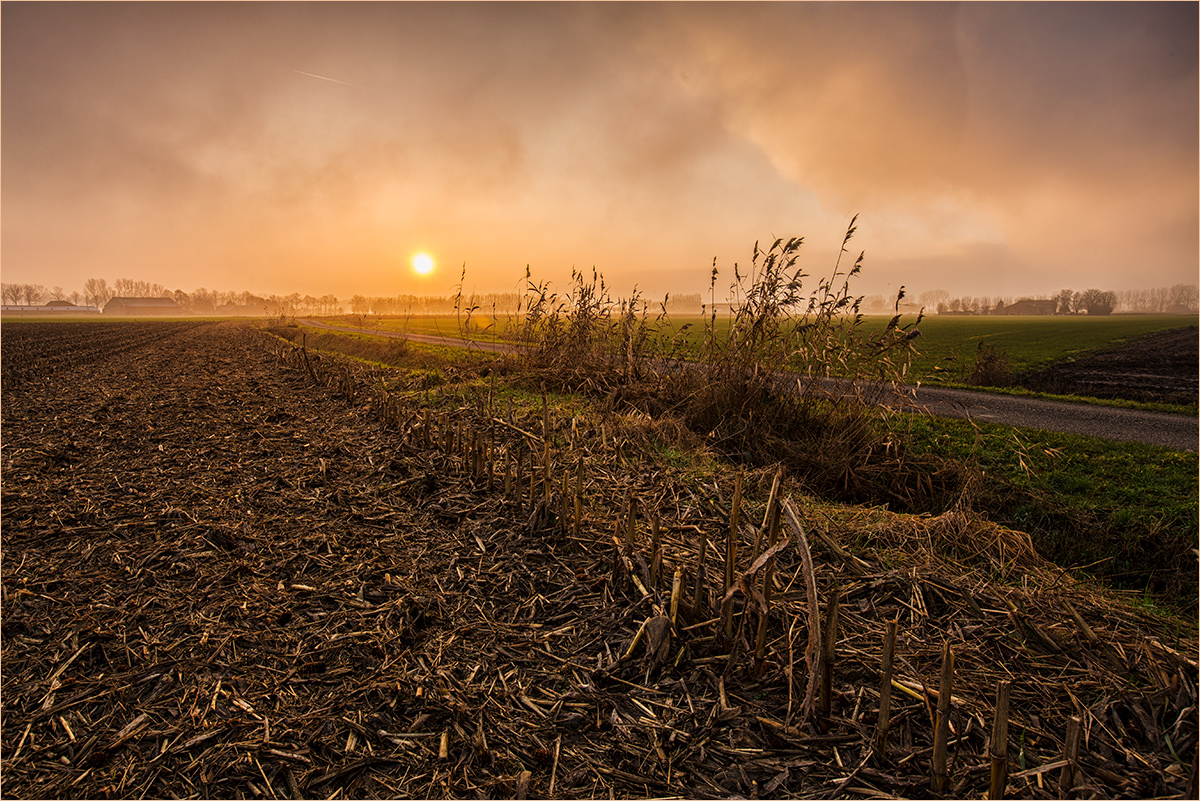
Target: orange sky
x,y
989,149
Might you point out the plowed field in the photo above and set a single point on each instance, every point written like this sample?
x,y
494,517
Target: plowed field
x,y
1160,367
231,569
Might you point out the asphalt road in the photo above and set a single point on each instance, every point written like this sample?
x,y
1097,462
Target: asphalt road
x,y
1181,432
1178,431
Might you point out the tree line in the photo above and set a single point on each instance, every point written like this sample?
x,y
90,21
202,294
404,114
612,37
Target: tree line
x,y
432,304
1067,301
97,292
499,302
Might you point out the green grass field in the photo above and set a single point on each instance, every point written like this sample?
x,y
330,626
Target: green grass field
x,y
946,348
949,344
481,327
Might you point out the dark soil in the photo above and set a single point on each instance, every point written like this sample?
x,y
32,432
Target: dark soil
x,y
1163,368
233,570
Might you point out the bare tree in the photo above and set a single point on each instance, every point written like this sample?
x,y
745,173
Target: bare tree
x,y
1185,295
203,301
933,297
1096,301
32,294
96,292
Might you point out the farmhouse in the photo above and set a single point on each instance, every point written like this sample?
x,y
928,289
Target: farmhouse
x,y
1027,306
1178,308
142,306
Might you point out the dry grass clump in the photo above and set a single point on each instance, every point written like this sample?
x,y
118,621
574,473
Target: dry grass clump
x,y
656,433
992,367
587,338
958,538
820,417
826,404
972,541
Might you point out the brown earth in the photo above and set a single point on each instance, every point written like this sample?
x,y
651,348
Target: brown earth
x,y
232,569
1163,367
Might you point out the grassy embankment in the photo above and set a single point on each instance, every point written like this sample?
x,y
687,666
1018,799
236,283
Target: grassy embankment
x,y
1125,513
1119,511
430,362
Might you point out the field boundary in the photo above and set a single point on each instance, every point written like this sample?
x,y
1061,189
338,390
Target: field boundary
x,y
1177,431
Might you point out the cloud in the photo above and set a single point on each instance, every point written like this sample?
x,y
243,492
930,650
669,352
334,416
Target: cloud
x,y
1061,125
881,98
1038,139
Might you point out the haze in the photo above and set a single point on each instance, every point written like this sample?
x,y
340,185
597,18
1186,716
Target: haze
x,y
989,149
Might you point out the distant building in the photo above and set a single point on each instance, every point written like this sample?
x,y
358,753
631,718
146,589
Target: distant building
x,y
1027,306
53,307
142,307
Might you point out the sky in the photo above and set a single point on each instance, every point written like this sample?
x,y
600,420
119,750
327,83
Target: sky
x,y
988,149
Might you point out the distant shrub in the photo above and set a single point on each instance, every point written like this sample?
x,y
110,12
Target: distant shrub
x,y
992,367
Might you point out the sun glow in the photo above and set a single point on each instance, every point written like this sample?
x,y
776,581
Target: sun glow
x,y
422,264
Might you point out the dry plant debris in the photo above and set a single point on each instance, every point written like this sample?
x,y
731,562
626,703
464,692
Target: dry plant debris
x,y
234,568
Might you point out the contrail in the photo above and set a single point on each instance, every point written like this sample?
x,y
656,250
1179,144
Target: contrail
x,y
323,78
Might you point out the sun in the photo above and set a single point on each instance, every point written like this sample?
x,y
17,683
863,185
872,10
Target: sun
x,y
422,264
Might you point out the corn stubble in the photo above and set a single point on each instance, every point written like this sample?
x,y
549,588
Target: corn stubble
x,y
795,645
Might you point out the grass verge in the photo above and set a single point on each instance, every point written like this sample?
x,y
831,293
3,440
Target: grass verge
x,y
385,351
1125,513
